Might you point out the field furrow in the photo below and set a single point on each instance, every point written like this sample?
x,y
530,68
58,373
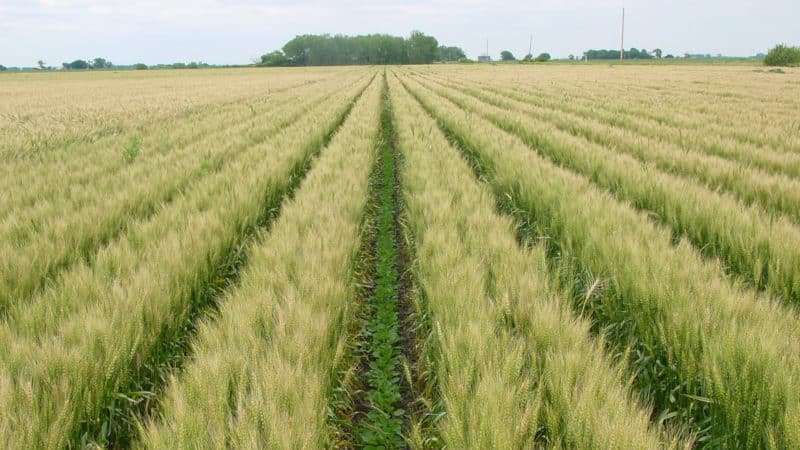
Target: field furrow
x,y
516,368
263,369
380,397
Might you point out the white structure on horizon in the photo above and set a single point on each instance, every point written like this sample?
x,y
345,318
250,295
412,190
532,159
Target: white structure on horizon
x,y
485,57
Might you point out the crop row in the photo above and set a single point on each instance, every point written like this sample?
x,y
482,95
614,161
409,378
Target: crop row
x,y
263,369
659,118
97,343
776,193
120,258
111,163
515,368
43,114
709,356
749,114
695,138
50,239
762,249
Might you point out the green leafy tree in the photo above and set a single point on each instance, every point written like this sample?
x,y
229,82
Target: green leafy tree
x,y
783,55
101,63
78,64
140,66
528,57
421,48
544,57
506,55
274,59
3,68
658,52
42,65
450,53
614,54
322,50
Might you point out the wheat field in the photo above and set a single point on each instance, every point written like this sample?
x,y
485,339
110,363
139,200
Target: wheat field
x,y
446,256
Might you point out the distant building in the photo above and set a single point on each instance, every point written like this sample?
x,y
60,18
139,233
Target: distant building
x,y
484,58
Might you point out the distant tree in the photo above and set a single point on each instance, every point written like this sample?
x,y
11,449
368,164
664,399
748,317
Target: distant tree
x,y
421,49
543,57
572,57
614,54
528,57
101,63
140,66
3,68
669,56
42,65
444,53
274,59
658,53
178,65
323,50
78,64
783,55
506,55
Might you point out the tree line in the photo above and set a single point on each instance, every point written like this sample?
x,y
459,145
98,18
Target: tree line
x,y
633,53
327,50
506,55
80,64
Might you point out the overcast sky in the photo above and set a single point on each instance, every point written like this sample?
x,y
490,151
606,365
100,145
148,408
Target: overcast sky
x,y
238,31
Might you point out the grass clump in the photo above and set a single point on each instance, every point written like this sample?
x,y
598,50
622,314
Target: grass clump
x,y
131,151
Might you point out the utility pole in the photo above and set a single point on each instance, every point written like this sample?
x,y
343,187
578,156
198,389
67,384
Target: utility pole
x,y
530,47
622,40
487,47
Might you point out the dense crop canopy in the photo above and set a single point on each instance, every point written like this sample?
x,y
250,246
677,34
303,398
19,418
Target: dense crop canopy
x,y
484,256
